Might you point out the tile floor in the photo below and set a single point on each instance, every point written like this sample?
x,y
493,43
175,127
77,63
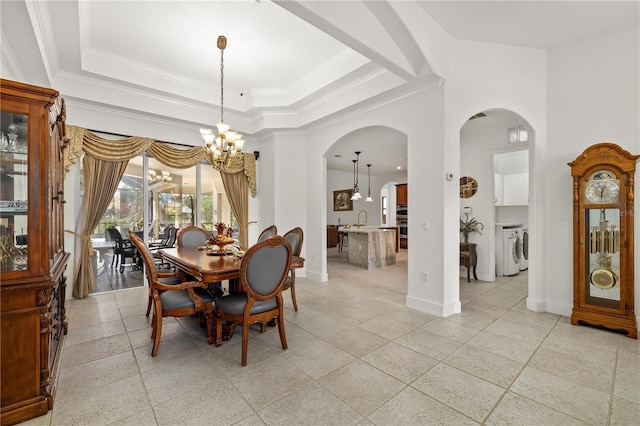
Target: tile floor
x,y
109,277
356,355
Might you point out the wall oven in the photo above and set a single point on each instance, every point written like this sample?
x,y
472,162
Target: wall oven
x,y
401,212
403,226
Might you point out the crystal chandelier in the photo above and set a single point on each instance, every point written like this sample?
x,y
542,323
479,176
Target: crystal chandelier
x,y
156,176
228,144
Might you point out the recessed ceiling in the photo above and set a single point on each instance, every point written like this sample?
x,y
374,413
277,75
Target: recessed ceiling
x,y
287,63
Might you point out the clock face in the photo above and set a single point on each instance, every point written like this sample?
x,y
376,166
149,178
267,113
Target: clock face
x,y
602,188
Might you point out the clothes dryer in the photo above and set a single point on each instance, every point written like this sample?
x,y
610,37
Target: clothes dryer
x,y
524,258
511,255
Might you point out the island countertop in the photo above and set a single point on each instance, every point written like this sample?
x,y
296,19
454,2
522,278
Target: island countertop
x,y
369,229
371,247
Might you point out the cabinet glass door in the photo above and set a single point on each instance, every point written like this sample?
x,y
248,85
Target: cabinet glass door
x,y
602,252
14,187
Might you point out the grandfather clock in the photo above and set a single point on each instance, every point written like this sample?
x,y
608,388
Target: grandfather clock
x,y
603,238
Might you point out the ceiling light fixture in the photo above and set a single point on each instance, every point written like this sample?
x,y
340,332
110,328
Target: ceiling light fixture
x,y
228,144
369,199
164,176
518,134
356,190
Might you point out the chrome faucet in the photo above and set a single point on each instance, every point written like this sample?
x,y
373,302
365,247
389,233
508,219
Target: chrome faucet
x,y
365,217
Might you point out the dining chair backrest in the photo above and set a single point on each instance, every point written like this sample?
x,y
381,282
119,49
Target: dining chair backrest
x,y
147,258
264,268
152,227
268,232
192,236
295,237
166,233
115,236
173,234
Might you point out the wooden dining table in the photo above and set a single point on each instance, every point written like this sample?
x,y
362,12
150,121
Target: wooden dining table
x,y
211,268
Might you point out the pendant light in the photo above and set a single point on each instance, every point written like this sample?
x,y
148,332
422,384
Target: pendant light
x,y
369,199
356,189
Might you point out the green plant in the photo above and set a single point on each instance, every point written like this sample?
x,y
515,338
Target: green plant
x,y
467,226
137,224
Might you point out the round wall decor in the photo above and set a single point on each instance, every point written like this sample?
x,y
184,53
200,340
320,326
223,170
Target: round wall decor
x,y
468,186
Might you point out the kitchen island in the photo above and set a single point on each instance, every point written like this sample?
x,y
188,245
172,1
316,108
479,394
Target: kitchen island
x,y
372,247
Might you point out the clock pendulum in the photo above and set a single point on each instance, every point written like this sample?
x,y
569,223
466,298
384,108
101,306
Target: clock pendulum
x,y
604,239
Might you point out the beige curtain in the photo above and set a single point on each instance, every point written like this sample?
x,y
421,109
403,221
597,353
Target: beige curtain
x,y
104,165
235,185
101,179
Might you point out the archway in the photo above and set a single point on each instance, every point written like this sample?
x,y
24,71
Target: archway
x,y
385,150
494,151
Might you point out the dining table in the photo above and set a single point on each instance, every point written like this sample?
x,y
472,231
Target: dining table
x,y
202,264
210,266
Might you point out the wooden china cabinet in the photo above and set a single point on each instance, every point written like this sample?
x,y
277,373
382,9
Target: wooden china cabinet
x,y
32,255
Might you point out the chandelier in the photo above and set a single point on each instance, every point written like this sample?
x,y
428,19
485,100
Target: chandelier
x,y
156,176
356,190
228,144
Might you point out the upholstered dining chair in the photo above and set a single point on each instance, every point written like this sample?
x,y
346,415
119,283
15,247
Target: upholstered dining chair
x,y
263,270
167,278
295,237
192,236
174,300
268,232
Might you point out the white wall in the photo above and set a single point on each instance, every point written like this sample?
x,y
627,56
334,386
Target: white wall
x,y
593,97
289,183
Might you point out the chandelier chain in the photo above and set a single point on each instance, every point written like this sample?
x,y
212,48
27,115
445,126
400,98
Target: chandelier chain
x,y
222,85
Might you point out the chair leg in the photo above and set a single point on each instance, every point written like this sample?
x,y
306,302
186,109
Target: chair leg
x,y
283,337
293,290
149,304
245,342
156,333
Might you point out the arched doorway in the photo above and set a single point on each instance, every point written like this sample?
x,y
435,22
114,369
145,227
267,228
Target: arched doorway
x,y
494,151
382,160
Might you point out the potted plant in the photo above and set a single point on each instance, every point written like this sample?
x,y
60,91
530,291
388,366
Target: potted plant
x,y
467,226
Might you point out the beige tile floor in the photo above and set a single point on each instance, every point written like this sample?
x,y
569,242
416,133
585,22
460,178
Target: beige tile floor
x,y
356,355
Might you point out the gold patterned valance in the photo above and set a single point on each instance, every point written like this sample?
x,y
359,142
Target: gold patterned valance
x,y
82,140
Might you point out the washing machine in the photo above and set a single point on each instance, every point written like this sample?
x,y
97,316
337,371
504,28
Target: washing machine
x,y
510,253
524,254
